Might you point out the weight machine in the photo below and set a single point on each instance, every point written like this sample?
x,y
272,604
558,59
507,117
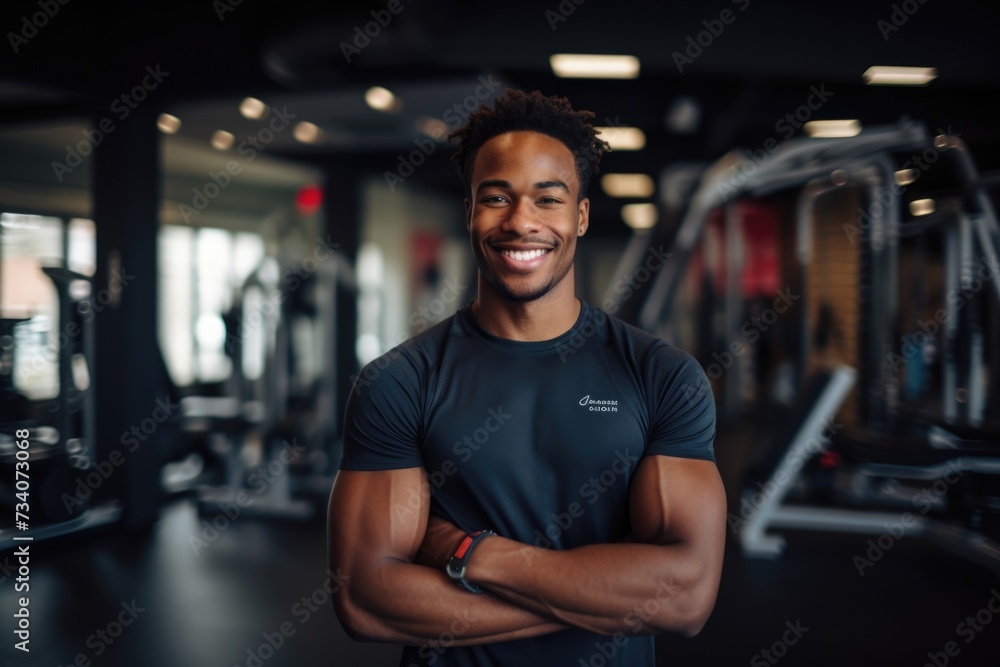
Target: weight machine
x,y
62,494
276,431
895,351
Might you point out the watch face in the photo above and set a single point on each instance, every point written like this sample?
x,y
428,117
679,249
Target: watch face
x,y
455,569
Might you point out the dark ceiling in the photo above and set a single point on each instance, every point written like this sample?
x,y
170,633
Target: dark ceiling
x,y
759,67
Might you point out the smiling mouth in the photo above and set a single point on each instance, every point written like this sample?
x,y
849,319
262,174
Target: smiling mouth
x,y
523,255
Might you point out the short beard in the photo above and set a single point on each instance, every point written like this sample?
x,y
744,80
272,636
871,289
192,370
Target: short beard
x,y
518,297
522,297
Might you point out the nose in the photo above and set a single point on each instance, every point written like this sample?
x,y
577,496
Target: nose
x,y
521,219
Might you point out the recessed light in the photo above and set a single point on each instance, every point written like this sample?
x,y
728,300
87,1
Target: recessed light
x,y
623,138
639,216
921,206
594,66
306,132
168,124
887,75
628,185
252,108
222,140
382,99
434,128
828,129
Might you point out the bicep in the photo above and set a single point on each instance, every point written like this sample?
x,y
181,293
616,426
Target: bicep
x,y
678,500
376,515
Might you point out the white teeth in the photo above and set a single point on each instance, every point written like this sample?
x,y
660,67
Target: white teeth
x,y
523,255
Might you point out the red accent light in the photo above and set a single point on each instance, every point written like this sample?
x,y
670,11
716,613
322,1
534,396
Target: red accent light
x,y
308,199
829,460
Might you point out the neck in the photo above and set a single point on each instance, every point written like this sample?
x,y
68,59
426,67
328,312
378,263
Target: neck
x,y
544,318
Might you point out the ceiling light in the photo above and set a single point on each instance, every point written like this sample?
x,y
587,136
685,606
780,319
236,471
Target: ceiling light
x,y
222,140
593,66
628,185
639,216
921,206
828,129
306,132
684,115
906,176
382,99
885,75
252,108
168,124
623,138
433,127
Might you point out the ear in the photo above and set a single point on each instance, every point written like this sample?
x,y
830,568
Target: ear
x,y
468,215
583,220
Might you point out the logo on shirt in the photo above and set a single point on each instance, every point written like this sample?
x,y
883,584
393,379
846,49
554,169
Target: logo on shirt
x,y
598,405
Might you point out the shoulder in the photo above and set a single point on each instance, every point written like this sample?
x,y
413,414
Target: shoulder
x,y
404,366
644,346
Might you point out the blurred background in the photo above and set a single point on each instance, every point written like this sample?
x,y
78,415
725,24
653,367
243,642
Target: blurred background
x,y
213,213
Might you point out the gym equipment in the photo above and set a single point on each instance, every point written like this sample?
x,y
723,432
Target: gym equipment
x,y
60,456
894,351
276,432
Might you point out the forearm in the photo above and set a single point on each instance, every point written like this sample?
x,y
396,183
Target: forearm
x,y
606,588
406,603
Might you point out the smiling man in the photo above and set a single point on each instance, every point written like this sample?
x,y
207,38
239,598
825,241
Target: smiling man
x,y
499,501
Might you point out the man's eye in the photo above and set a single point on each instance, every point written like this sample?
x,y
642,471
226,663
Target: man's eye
x,y
548,200
493,199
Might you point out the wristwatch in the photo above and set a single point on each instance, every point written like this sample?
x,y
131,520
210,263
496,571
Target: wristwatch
x,y
459,561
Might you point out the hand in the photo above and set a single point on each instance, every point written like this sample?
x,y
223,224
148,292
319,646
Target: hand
x,y
440,542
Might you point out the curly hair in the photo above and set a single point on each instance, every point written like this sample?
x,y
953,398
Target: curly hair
x,y
518,110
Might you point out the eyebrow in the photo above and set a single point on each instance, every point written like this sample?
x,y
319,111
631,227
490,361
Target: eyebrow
x,y
541,185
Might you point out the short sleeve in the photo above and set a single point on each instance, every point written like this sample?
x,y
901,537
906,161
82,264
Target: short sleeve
x,y
683,407
382,420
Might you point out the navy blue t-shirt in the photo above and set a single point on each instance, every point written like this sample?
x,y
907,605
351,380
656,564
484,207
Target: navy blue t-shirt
x,y
538,441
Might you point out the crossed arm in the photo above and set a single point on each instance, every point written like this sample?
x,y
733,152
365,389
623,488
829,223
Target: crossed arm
x,y
392,553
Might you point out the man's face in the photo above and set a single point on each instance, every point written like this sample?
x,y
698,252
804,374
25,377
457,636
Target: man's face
x,y
524,217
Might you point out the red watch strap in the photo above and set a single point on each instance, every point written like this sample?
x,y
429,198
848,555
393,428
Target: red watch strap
x,y
465,544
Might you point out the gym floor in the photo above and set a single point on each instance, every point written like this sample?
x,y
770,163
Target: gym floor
x,y
150,600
